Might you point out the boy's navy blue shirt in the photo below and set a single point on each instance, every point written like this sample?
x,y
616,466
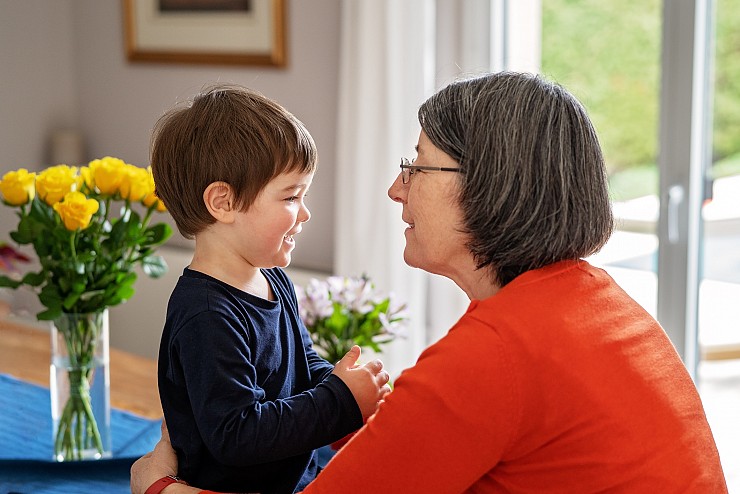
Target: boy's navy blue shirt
x,y
246,398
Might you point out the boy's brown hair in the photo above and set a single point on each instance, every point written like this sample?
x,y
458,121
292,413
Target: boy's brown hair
x,y
226,133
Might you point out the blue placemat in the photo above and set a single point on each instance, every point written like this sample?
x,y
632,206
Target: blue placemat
x,y
26,464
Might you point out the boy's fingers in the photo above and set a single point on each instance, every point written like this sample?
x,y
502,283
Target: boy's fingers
x,y
375,366
350,358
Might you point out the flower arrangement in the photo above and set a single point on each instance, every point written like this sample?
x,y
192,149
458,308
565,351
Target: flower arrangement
x,y
340,312
87,249
87,252
10,258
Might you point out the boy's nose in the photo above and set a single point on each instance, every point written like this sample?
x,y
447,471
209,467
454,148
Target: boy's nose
x,y
306,214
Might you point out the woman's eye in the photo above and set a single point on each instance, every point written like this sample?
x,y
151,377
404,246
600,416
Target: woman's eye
x,y
292,199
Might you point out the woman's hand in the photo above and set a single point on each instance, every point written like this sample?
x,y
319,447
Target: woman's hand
x,y
153,466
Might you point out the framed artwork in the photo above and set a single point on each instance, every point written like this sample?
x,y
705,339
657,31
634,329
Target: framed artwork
x,y
237,32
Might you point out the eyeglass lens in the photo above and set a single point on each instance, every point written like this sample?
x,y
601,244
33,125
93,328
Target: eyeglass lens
x,y
405,172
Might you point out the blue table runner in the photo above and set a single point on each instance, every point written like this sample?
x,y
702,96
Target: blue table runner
x,y
26,450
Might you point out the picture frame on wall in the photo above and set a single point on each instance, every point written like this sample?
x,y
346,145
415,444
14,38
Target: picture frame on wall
x,y
232,32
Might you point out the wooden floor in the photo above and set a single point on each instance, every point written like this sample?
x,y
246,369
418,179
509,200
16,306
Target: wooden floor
x,y
25,353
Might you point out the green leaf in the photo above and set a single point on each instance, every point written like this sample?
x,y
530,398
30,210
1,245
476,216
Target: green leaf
x,y
71,300
117,235
42,212
84,297
34,279
158,234
154,266
21,237
9,282
29,229
125,292
133,229
50,297
49,314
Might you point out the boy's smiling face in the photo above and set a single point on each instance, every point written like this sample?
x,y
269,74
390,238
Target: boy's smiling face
x,y
265,232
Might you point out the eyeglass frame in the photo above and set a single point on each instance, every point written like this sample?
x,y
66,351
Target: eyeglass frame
x,y
408,169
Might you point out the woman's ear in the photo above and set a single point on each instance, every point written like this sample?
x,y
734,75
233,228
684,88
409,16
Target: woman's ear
x,y
219,200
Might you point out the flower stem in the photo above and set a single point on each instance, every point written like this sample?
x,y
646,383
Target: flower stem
x,y
78,430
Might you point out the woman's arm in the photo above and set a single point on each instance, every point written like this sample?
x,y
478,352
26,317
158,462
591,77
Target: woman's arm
x,y
446,424
153,466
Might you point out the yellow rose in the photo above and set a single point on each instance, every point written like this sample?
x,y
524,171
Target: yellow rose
x,y
76,210
53,183
87,177
135,183
18,187
151,198
108,174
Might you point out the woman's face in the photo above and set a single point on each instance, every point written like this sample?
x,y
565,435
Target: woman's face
x,y
434,241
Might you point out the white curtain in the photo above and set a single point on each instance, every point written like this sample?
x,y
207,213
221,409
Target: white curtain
x,y
390,55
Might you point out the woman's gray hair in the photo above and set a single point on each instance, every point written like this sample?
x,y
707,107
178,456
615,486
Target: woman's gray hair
x,y
534,185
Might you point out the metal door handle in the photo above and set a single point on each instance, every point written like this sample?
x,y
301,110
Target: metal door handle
x,y
675,198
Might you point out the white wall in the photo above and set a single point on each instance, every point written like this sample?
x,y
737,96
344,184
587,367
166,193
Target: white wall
x,y
37,90
37,93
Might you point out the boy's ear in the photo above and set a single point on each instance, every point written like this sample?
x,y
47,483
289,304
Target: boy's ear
x,y
219,200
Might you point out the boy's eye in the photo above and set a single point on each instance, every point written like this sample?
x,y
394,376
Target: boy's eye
x,y
297,198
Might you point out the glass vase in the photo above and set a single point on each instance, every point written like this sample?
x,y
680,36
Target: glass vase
x,y
80,386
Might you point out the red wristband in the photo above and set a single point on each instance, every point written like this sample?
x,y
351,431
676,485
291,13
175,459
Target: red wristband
x,y
160,484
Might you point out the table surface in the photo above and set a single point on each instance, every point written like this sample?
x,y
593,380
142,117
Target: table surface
x,y
25,353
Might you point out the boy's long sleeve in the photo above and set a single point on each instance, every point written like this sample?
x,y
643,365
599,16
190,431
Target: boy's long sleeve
x,y
246,398
238,423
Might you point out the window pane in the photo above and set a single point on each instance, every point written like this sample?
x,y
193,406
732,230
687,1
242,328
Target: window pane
x,y
719,290
608,55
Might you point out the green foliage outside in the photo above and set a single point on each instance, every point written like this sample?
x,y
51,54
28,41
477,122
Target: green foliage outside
x,y
642,180
727,80
608,55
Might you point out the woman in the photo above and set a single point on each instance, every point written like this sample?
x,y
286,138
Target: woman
x,y
554,380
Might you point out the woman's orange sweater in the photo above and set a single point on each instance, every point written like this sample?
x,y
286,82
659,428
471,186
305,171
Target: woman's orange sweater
x,y
559,383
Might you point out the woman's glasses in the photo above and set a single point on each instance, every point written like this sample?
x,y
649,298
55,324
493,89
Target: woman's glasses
x,y
408,169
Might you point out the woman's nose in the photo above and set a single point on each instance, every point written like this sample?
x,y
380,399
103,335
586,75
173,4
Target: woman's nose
x,y
397,190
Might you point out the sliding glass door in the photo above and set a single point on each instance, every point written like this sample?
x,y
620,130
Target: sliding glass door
x,y
719,280
719,290
609,55
661,81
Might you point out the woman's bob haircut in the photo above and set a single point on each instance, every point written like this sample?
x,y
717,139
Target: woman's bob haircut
x,y
534,185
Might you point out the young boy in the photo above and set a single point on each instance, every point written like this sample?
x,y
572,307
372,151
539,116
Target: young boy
x,y
245,397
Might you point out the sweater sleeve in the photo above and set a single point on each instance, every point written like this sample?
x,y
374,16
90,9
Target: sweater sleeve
x,y
452,414
319,368
236,422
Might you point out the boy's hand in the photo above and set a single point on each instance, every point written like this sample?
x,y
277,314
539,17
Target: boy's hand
x,y
368,383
